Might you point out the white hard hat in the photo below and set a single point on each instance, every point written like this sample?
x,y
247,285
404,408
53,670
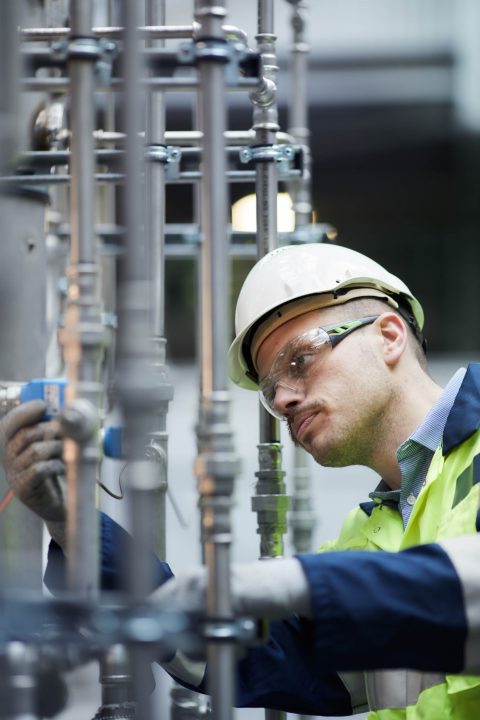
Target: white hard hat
x,y
294,279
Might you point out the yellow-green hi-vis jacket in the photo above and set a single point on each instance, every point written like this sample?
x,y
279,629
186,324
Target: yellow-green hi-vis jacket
x,y
447,506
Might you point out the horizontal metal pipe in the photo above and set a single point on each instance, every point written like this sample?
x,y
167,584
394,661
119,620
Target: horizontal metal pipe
x,y
187,250
180,84
43,57
145,32
233,176
170,32
187,137
50,158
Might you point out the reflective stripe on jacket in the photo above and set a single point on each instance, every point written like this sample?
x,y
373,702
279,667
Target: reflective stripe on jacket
x,y
446,507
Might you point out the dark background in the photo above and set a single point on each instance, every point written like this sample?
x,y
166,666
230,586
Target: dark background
x,y
400,183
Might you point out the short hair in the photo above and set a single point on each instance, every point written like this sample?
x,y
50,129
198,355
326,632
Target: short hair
x,y
364,306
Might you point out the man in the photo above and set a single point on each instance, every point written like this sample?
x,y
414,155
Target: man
x,y
334,343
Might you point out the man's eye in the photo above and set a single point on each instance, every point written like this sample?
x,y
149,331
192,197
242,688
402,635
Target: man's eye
x,y
299,365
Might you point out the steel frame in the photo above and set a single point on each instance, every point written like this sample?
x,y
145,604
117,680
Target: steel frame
x,y
128,61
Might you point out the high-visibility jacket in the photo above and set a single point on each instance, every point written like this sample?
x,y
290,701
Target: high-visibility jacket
x,y
446,507
417,608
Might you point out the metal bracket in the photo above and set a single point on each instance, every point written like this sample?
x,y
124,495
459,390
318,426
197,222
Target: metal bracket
x,y
103,70
241,57
100,51
190,53
281,154
243,630
109,320
238,59
169,155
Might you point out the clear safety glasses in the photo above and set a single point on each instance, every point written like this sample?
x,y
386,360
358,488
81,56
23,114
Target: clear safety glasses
x,y
295,361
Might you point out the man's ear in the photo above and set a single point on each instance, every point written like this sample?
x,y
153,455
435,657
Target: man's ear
x,y
394,337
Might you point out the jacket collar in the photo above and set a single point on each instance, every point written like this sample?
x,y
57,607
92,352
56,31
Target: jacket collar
x,y
464,417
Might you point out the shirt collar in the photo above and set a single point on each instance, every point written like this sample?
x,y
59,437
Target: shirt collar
x,y
428,434
430,431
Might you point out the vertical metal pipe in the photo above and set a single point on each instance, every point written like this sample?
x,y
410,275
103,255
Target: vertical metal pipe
x,y
116,682
135,378
9,77
197,119
155,224
22,315
83,335
270,501
298,112
117,696
106,210
19,667
185,703
24,334
302,517
216,465
155,135
265,125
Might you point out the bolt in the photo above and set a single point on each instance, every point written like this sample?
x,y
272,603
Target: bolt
x,y
31,244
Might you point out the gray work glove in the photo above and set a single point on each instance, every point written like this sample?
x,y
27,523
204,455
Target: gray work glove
x,y
268,589
31,454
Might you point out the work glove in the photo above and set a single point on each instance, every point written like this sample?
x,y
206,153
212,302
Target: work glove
x,y
268,589
31,454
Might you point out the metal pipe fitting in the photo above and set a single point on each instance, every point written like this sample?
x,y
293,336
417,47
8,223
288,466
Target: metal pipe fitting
x,y
270,501
216,464
116,681
18,695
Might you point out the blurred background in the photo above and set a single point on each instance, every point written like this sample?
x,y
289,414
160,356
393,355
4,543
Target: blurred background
x,y
394,116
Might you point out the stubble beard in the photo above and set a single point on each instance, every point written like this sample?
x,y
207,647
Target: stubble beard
x,y
347,443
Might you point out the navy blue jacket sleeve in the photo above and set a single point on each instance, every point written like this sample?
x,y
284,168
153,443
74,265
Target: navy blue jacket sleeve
x,y
286,674
387,610
115,547
281,674
370,610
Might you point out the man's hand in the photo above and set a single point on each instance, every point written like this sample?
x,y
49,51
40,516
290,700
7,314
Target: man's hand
x,y
269,589
32,452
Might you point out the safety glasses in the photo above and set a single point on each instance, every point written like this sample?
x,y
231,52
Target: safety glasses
x,y
294,363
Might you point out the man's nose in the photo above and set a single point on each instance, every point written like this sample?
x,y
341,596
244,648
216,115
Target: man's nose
x,y
287,397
